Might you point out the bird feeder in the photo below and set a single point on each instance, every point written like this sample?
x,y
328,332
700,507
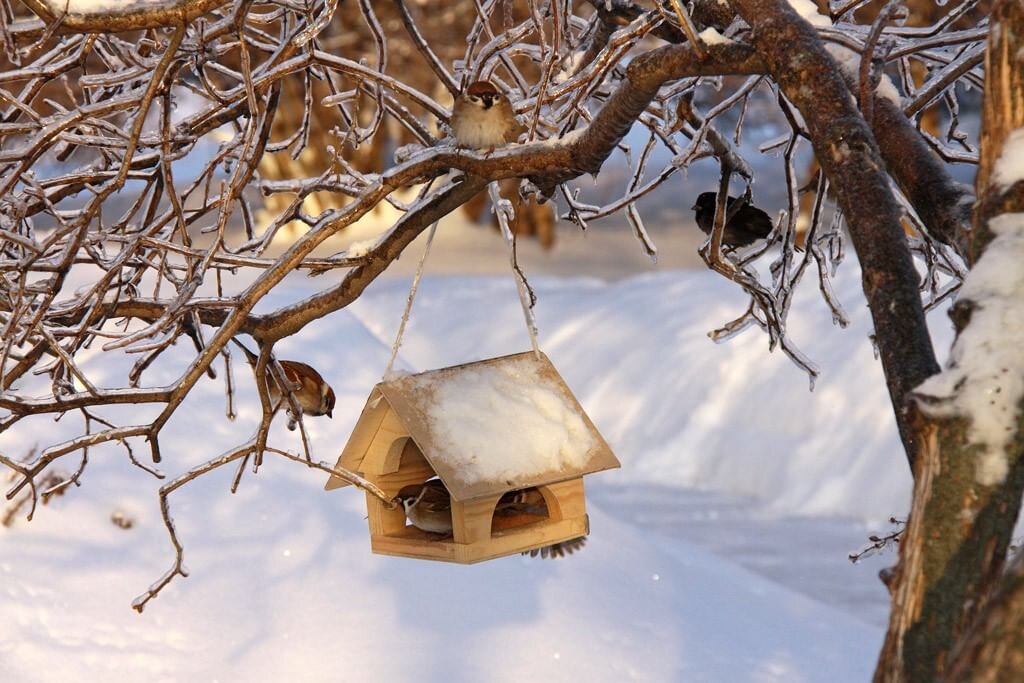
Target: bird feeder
x,y
486,429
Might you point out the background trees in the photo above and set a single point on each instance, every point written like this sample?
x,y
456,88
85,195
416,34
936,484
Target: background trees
x,y
152,156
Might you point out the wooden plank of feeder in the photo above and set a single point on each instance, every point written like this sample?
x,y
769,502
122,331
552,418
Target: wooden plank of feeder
x,y
410,397
417,544
411,542
504,522
471,520
381,518
362,436
523,538
567,497
415,470
390,431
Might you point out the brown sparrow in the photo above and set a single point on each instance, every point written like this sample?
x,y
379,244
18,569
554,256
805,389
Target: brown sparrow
x,y
429,509
483,118
314,395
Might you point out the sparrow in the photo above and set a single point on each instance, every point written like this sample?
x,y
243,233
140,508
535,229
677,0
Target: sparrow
x,y
314,396
748,225
483,118
428,507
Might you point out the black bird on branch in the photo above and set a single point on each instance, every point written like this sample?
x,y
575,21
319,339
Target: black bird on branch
x,y
744,225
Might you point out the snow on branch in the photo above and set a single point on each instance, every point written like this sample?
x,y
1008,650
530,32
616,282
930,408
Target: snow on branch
x,y
985,379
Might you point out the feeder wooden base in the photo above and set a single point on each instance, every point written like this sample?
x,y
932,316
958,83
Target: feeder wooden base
x,y
411,542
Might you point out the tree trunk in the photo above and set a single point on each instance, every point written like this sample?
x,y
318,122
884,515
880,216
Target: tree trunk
x,y
955,545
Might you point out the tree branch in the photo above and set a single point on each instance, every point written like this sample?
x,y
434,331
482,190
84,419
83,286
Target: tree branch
x,y
846,150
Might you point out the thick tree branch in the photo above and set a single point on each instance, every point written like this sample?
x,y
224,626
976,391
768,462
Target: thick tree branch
x,y
994,649
967,498
846,150
943,204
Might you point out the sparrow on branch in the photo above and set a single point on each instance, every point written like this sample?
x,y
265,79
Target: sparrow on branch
x,y
314,395
483,118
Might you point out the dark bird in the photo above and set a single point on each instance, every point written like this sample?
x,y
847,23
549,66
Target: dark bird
x,y
748,225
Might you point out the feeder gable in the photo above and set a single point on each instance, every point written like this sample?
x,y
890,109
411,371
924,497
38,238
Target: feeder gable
x,y
486,427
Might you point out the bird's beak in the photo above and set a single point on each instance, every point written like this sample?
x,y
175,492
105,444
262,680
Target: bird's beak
x,y
330,414
693,208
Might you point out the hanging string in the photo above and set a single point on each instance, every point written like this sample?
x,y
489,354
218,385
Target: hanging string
x,y
408,301
504,211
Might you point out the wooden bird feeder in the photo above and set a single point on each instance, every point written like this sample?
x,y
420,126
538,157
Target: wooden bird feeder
x,y
485,429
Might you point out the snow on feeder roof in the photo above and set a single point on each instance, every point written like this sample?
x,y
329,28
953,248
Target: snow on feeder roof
x,y
490,426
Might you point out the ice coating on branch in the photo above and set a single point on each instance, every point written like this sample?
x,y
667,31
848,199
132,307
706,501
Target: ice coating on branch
x,y
504,422
407,152
984,382
93,6
98,8
1009,167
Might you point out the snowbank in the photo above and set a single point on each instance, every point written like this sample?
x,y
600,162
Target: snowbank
x,y
283,586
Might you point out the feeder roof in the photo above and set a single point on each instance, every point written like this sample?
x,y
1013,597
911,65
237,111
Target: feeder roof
x,y
497,425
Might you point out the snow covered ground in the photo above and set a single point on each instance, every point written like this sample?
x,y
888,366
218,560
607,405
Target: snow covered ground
x,y
283,586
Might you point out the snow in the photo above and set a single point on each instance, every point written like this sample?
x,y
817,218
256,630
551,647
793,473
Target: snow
x,y
568,139
569,66
809,11
711,36
849,61
505,422
984,381
1009,167
282,580
361,247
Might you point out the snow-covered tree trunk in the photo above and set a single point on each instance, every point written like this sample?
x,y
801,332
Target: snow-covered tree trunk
x,y
969,473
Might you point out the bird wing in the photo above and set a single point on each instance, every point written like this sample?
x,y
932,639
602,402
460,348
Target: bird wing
x,y
434,496
557,550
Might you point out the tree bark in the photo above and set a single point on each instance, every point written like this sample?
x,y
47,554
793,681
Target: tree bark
x,y
955,545
994,649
